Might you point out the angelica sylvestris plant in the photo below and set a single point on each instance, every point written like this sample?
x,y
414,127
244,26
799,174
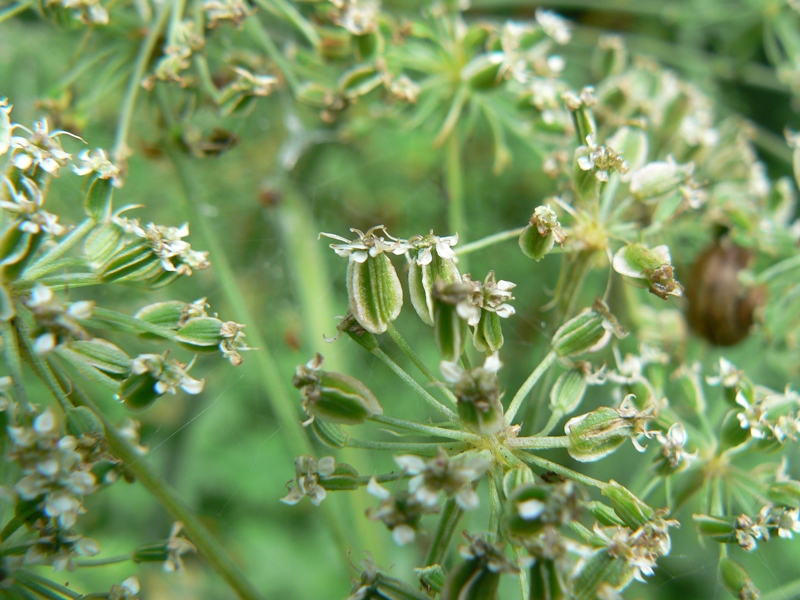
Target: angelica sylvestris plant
x,y
59,440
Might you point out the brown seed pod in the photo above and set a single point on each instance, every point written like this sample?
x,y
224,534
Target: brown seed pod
x,y
720,308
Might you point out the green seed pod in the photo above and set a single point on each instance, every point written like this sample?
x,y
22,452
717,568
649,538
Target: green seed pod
x,y
434,261
151,553
97,202
718,529
731,431
138,391
610,57
135,262
525,509
568,391
541,234
330,434
583,333
16,257
102,355
516,477
201,332
478,577
600,569
449,329
369,45
357,333
545,581
488,333
334,397
785,493
483,71
104,241
375,293
736,580
344,477
170,314
432,578
603,514
631,142
597,434
653,265
359,81
478,394
335,43
633,512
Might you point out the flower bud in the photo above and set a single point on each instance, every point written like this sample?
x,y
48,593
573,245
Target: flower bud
x,y
633,512
568,391
542,233
654,265
488,333
736,580
432,260
631,142
334,396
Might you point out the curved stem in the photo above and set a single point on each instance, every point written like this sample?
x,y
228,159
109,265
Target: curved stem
x,y
47,263
528,386
12,348
121,149
421,392
445,530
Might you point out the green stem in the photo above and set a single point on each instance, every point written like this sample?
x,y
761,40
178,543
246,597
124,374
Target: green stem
x,y
44,587
495,505
412,356
526,388
555,417
463,436
13,11
62,282
790,590
419,448
566,472
445,531
122,322
455,191
14,359
538,443
198,533
294,17
524,584
47,263
271,379
101,562
40,367
489,240
121,149
421,392
256,31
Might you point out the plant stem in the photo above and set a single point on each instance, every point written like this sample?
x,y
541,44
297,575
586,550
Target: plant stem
x,y
208,546
14,359
101,562
61,282
44,587
566,472
40,367
790,590
455,434
523,391
495,508
455,191
445,530
271,380
294,17
412,356
45,264
13,11
122,322
256,30
421,392
420,448
489,240
538,443
121,149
